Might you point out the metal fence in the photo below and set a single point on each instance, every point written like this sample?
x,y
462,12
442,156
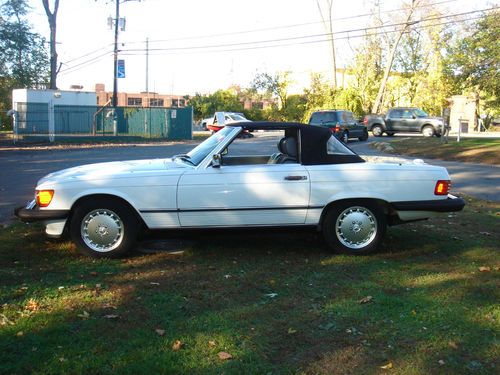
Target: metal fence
x,y
40,120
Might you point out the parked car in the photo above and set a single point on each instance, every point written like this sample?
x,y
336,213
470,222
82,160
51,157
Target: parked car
x,y
313,180
221,119
206,121
405,120
342,124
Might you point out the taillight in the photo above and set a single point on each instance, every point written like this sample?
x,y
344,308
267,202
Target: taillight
x,y
336,129
442,187
44,197
365,120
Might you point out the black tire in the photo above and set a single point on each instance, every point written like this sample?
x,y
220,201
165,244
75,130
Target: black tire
x,y
344,138
364,137
354,227
377,131
103,228
428,131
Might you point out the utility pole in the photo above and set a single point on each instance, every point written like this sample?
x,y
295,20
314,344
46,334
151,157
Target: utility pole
x,y
147,65
115,70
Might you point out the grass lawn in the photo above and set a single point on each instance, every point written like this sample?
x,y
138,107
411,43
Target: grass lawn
x,y
277,303
467,150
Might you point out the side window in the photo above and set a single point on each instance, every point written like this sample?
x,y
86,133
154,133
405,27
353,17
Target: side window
x,y
349,116
396,113
407,114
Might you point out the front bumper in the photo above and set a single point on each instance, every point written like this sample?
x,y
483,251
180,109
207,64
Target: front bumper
x,y
31,213
451,204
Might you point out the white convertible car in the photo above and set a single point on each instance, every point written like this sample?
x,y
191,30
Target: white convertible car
x,y
310,180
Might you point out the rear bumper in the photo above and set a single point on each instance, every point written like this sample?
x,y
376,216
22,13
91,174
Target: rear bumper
x,y
36,214
451,204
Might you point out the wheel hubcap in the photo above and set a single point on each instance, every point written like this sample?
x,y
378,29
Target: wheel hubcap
x,y
356,227
102,230
376,131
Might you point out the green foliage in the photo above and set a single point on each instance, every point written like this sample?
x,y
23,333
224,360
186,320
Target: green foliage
x,y
23,57
221,100
474,61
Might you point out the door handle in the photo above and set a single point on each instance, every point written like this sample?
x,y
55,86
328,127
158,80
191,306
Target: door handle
x,y
295,178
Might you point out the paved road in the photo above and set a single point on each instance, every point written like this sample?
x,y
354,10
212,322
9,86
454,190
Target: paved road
x,y
21,169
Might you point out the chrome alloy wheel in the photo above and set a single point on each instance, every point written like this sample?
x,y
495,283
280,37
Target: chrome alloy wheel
x,y
102,230
356,227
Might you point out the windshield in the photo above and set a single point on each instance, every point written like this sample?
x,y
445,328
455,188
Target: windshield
x,y
419,113
236,117
200,152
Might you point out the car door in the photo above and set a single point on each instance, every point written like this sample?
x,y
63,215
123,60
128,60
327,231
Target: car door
x,y
396,120
240,195
410,120
355,129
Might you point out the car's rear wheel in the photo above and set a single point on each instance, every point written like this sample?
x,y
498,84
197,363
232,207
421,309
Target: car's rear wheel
x,y
354,227
428,131
344,137
364,137
103,228
377,131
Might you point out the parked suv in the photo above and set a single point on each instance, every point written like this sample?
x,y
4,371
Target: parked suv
x,y
342,124
405,119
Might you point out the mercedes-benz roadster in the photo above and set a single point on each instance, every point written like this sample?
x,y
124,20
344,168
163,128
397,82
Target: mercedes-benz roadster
x,y
311,179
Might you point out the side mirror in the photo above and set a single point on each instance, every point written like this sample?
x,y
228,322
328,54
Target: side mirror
x,y
216,161
413,117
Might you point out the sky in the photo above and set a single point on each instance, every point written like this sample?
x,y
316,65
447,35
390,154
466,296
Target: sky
x,y
200,46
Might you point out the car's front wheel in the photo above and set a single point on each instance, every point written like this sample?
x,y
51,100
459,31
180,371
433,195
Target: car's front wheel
x,y
103,228
364,137
428,131
354,227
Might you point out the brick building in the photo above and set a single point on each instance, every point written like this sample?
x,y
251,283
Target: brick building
x,y
142,99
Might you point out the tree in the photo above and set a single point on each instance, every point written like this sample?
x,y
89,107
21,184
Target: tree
x,y
474,61
276,85
221,100
23,57
327,18
392,53
52,18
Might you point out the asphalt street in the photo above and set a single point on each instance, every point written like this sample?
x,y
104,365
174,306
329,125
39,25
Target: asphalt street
x,y
20,168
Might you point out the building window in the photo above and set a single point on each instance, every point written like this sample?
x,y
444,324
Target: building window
x,y
175,103
182,103
154,102
135,102
257,105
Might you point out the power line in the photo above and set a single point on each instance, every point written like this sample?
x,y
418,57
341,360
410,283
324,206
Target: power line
x,y
365,29
284,26
313,41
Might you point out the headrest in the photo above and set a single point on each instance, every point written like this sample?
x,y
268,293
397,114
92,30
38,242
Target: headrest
x,y
280,145
290,147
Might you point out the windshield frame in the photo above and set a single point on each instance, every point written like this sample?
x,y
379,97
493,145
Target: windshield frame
x,y
214,144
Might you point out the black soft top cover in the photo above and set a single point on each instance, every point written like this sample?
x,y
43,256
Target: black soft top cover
x,y
311,139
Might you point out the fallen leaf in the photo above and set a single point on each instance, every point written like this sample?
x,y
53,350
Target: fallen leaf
x,y
484,269
366,299
387,366
271,295
211,343
441,362
32,305
160,332
291,331
452,344
177,345
224,356
84,315
93,273
111,316
154,283
20,333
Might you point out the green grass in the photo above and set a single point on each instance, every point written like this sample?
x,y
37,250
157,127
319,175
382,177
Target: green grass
x,y
430,303
479,150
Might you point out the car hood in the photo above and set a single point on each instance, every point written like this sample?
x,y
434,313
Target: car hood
x,y
111,170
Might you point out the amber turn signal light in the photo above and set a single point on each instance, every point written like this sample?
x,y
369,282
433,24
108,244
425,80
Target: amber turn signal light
x,y
442,187
44,197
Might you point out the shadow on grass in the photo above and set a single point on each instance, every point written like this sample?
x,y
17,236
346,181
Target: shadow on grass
x,y
277,302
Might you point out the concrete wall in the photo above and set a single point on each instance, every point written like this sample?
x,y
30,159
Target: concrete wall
x,y
463,113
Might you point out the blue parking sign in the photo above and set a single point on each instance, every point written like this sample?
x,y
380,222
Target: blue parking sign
x,y
120,71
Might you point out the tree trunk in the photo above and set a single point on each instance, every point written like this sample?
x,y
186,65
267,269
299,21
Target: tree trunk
x,y
390,60
328,22
52,17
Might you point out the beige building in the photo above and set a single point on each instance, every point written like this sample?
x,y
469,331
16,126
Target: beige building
x,y
142,99
463,109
